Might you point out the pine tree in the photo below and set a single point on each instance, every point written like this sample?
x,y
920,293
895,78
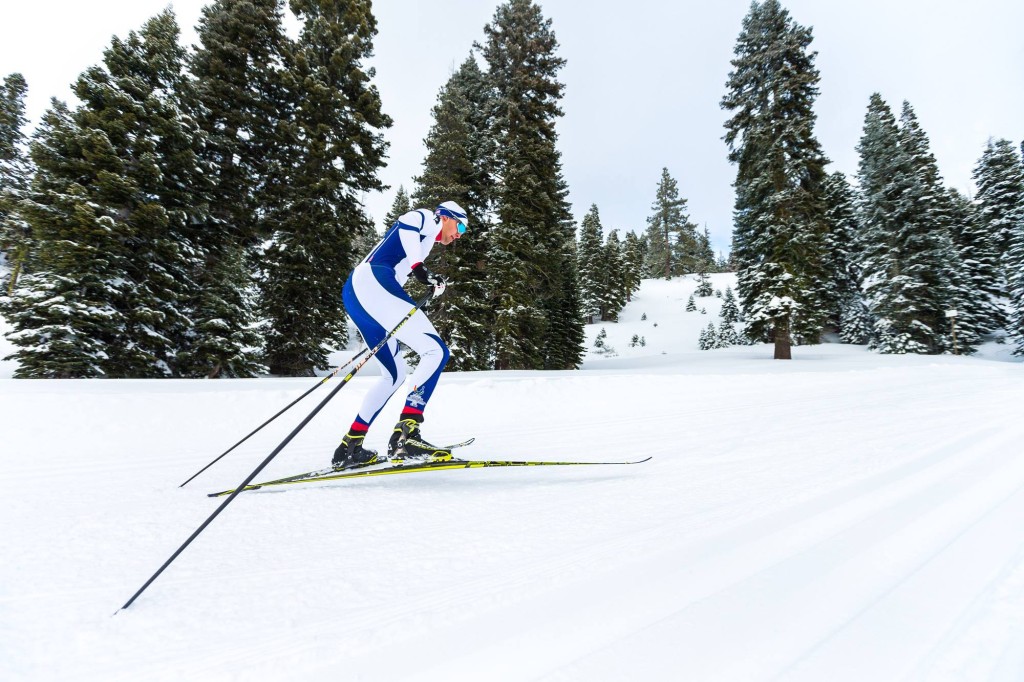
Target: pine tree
x,y
855,323
589,262
633,263
730,312
15,174
985,238
704,287
948,284
1000,181
885,176
780,209
613,291
842,294
330,150
705,255
727,336
66,315
532,273
691,305
1014,261
708,338
912,271
981,275
116,201
671,237
238,101
453,171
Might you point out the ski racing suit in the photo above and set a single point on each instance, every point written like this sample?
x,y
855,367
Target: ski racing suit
x,y
376,302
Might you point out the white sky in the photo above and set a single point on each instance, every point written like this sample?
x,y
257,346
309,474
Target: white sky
x,y
642,85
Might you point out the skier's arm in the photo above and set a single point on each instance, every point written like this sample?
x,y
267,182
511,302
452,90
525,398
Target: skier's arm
x,y
410,227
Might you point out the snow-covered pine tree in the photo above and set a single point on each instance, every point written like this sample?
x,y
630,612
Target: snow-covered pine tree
x,y
704,287
330,151
705,256
727,336
886,177
912,271
671,237
708,338
691,305
842,294
532,264
613,294
985,240
15,174
463,315
632,263
999,177
730,312
1014,262
589,262
780,210
975,308
237,100
936,231
115,206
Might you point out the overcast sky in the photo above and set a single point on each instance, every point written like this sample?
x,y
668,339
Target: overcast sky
x,y
643,82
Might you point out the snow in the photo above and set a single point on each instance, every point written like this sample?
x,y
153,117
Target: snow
x,y
841,516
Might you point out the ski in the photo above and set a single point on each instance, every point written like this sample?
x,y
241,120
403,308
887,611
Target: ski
x,y
363,472
316,473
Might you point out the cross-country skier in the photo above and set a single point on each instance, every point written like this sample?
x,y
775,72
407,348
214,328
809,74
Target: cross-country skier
x,y
376,302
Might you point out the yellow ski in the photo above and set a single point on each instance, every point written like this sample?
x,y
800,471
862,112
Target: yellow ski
x,y
412,468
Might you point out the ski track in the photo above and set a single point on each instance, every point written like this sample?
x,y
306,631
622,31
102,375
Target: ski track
x,y
630,655
847,517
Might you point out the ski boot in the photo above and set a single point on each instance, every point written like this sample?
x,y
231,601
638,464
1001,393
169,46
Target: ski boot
x,y
407,445
351,453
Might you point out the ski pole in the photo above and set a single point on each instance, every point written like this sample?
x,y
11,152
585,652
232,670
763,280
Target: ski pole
x,y
290,405
278,449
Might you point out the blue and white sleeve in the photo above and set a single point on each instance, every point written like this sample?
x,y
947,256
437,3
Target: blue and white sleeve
x,y
410,227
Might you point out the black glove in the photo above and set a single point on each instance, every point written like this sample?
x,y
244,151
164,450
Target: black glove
x,y
430,279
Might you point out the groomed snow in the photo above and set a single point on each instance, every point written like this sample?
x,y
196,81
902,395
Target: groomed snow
x,y
843,516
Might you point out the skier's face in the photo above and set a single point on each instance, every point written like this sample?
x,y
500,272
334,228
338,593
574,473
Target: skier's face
x,y
449,230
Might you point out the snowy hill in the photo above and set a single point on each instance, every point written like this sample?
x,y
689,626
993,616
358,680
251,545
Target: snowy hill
x,y
668,328
842,516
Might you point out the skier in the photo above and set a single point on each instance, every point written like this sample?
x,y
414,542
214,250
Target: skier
x,y
376,302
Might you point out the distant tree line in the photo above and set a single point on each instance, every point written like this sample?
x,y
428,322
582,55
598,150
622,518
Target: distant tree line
x,y
881,263
611,268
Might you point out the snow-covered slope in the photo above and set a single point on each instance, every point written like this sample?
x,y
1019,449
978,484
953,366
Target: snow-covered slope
x,y
843,516
668,329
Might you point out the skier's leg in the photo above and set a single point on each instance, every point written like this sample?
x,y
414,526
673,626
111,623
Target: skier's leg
x,y
421,336
406,440
363,298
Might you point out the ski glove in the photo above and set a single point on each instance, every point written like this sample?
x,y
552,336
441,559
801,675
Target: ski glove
x,y
430,279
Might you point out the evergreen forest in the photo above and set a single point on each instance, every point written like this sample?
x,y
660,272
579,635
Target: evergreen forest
x,y
196,212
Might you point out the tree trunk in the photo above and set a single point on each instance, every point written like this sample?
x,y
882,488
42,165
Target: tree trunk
x,y
783,344
18,260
